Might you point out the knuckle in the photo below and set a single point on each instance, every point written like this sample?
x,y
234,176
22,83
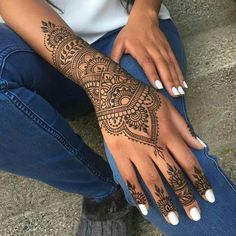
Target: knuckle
x,y
147,60
151,178
189,164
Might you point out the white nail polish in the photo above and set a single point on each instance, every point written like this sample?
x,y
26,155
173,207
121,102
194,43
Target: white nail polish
x,y
143,209
210,196
175,91
202,143
185,84
181,90
173,218
195,214
158,84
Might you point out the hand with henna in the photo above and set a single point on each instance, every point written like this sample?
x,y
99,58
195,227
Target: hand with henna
x,y
139,125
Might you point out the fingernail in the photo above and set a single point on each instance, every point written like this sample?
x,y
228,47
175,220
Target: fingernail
x,y
202,143
181,90
143,209
175,91
173,218
195,214
210,196
158,84
185,84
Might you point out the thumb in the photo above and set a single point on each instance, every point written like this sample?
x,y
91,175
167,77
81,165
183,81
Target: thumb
x,y
117,51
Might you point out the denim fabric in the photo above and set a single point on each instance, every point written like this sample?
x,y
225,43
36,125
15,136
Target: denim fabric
x,y
36,140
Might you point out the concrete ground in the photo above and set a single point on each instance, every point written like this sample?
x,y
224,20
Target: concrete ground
x,y
208,29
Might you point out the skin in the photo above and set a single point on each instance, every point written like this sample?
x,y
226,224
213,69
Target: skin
x,y
161,139
148,45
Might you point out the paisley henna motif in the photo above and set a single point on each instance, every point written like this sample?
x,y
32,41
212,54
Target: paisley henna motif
x,y
164,203
124,106
179,184
139,197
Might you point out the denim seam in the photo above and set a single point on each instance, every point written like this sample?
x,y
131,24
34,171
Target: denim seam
x,y
206,150
34,117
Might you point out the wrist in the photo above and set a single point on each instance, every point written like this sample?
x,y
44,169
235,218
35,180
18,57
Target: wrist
x,y
142,9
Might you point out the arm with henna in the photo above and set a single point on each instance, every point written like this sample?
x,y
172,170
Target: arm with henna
x,y
117,98
139,125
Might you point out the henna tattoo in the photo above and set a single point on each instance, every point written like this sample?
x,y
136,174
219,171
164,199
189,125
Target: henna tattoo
x,y
201,182
165,204
191,130
179,184
124,106
139,197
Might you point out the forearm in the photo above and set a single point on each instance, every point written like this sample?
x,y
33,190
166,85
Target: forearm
x,y
150,8
51,37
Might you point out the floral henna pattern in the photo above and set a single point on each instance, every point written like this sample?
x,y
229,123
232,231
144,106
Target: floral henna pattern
x,y
201,182
124,106
164,203
139,197
179,184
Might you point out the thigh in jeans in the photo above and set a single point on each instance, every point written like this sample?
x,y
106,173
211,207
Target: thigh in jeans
x,y
36,140
216,219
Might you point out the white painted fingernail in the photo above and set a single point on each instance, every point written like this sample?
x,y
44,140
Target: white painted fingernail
x,y
195,214
174,220
143,209
181,90
175,91
158,84
202,143
210,196
185,84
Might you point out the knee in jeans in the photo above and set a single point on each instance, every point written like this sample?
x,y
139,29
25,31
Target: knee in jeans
x,y
131,65
12,56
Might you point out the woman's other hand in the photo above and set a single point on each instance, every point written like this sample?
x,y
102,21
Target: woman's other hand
x,y
142,38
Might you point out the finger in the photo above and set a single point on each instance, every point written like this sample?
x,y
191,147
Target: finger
x,y
177,69
172,68
147,64
165,74
185,129
128,173
173,58
184,156
177,181
155,185
117,51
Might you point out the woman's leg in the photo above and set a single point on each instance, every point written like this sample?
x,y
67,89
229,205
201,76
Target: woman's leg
x,y
216,219
36,140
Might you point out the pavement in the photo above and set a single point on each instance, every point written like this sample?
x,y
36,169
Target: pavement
x,y
208,28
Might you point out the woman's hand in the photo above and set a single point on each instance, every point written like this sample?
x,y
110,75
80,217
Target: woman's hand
x,y
142,38
142,129
139,125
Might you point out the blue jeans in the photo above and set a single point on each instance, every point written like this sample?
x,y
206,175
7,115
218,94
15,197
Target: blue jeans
x,y
37,141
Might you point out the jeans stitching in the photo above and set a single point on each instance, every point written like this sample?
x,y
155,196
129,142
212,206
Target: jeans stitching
x,y
34,117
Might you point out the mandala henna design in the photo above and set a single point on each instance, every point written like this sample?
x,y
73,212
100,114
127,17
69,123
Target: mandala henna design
x,y
201,182
124,106
164,202
139,197
179,184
